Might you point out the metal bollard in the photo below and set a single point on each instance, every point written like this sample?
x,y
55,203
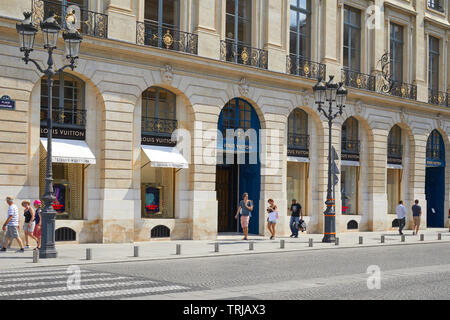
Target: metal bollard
x,y
136,251
311,242
178,249
88,254
281,244
422,237
439,236
250,246
361,240
382,239
35,256
336,242
403,238
216,247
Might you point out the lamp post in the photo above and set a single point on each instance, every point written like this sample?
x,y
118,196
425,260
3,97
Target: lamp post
x,y
336,94
50,30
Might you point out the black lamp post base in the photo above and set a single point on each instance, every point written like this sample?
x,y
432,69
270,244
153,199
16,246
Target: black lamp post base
x,y
49,253
329,238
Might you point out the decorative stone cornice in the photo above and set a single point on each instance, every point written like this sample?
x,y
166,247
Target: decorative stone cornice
x,y
167,74
244,87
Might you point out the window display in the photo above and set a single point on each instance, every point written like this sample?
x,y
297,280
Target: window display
x,y
349,189
158,192
297,173
393,189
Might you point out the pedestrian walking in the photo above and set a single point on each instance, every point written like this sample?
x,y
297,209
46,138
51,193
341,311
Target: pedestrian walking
x,y
272,210
29,224
11,225
417,212
37,219
401,216
296,212
245,208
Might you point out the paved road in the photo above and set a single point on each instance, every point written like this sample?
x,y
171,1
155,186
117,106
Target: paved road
x,y
407,272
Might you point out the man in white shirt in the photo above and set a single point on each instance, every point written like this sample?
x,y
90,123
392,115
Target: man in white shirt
x,y
11,225
401,216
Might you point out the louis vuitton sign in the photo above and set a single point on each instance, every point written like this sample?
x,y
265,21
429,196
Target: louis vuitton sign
x,y
65,133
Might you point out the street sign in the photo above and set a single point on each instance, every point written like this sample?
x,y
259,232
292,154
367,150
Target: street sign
x,y
7,103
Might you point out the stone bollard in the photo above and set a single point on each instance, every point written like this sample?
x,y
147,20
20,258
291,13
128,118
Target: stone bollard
x,y
251,246
35,256
403,238
178,249
136,251
88,254
361,241
422,237
216,247
281,244
311,242
439,236
382,239
336,242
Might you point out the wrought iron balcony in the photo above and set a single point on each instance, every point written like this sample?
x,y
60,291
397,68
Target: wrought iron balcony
x,y
300,66
438,97
298,141
350,146
358,80
163,127
65,118
150,33
404,90
243,54
395,152
436,5
91,23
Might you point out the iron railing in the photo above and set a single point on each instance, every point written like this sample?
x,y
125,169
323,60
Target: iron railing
x,y
91,23
159,126
350,146
150,33
434,154
438,97
243,54
63,117
301,66
395,151
403,90
298,141
436,5
358,80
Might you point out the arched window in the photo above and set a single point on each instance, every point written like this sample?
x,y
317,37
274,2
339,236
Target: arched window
x,y
350,137
395,145
435,148
67,101
158,111
298,137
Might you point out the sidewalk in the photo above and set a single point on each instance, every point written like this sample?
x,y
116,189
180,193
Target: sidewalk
x,y
75,254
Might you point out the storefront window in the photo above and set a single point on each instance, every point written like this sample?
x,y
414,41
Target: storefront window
x,y
158,190
349,189
393,189
67,188
297,184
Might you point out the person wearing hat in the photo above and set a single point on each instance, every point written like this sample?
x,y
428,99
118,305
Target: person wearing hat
x,y
37,219
11,225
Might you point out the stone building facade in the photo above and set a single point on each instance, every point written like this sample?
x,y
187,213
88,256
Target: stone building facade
x,y
148,68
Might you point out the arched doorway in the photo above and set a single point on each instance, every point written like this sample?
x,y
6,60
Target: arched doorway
x,y
435,180
238,164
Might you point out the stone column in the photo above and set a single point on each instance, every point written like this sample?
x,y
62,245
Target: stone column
x,y
203,176
420,60
274,43
120,13
417,176
207,29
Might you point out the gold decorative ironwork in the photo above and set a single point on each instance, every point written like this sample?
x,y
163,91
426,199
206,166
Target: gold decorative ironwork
x,y
168,39
244,55
306,69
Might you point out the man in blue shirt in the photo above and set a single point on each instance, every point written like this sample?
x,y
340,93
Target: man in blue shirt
x,y
245,208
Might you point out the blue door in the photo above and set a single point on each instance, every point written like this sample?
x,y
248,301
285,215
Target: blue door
x,y
435,180
239,114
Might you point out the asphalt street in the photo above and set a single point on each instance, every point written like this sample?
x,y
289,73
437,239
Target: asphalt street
x,y
405,272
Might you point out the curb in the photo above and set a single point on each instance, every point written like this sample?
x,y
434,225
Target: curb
x,y
213,254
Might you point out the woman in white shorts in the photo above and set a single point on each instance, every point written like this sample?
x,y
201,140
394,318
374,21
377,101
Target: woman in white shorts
x,y
29,224
272,210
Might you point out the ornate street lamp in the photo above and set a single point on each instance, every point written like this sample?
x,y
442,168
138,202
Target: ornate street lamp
x,y
72,39
334,94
